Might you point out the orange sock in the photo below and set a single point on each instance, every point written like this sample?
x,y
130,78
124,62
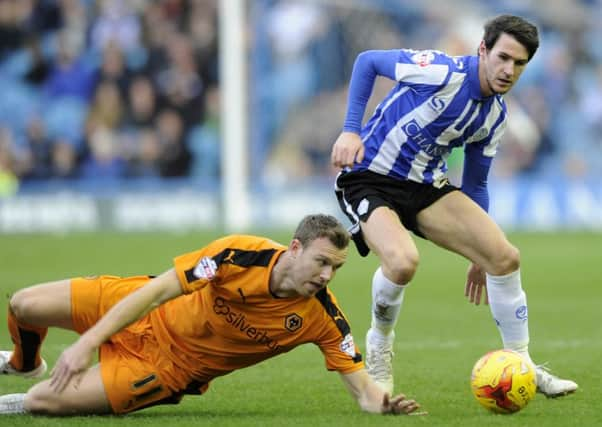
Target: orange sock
x,y
28,341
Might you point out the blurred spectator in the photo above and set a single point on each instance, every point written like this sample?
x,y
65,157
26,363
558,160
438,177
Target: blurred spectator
x,y
142,103
39,68
292,27
304,151
38,157
201,28
103,160
13,14
204,140
113,67
115,24
175,158
107,107
144,161
70,75
63,160
180,83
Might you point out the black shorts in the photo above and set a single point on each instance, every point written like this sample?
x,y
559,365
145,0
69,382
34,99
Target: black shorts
x,y
359,193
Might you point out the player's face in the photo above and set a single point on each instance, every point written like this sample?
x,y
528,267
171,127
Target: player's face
x,y
501,66
316,265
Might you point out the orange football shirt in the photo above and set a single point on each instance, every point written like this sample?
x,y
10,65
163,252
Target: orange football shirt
x,y
228,318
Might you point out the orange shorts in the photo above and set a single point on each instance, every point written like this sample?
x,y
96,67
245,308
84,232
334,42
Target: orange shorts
x,y
133,370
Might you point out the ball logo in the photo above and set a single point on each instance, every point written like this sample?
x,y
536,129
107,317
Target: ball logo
x,y
521,312
293,322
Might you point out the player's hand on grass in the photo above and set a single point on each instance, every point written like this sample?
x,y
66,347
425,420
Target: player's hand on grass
x,y
71,364
475,285
347,150
399,405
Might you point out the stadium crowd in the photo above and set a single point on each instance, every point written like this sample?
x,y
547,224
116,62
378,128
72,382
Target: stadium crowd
x,y
107,89
104,89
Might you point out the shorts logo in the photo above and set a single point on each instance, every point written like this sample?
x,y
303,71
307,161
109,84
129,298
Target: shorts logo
x,y
521,313
293,322
348,346
362,208
205,269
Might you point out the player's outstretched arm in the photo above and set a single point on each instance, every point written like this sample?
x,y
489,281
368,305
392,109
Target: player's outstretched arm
x,y
372,399
76,358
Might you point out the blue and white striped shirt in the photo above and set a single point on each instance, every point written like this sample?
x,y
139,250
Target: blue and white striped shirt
x,y
436,106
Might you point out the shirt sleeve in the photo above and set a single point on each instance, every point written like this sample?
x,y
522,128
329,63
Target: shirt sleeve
x,y
334,337
340,353
224,258
197,269
366,68
478,156
211,264
406,66
474,176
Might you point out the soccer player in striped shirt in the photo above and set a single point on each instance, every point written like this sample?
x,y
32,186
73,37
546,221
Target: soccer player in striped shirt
x,y
394,179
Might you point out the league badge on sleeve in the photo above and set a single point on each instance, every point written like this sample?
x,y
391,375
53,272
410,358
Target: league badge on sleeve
x,y
348,346
205,269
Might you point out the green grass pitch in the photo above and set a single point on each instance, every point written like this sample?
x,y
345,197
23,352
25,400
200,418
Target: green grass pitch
x,y
439,335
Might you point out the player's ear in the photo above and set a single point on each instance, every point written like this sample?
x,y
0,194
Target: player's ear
x,y
482,48
295,246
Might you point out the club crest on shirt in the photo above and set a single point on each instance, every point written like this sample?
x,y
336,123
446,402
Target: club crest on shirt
x,y
348,346
293,322
205,269
423,58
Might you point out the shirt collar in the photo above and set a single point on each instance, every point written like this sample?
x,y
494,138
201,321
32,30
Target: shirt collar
x,y
473,79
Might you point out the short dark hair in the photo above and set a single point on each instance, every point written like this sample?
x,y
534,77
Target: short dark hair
x,y
519,28
315,226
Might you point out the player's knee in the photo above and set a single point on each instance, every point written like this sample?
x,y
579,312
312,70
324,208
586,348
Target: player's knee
x,y
508,260
400,267
23,304
40,402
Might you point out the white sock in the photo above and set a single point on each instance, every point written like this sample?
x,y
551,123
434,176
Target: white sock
x,y
12,403
508,304
387,298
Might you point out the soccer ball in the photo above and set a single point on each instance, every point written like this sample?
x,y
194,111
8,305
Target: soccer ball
x,y
503,381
